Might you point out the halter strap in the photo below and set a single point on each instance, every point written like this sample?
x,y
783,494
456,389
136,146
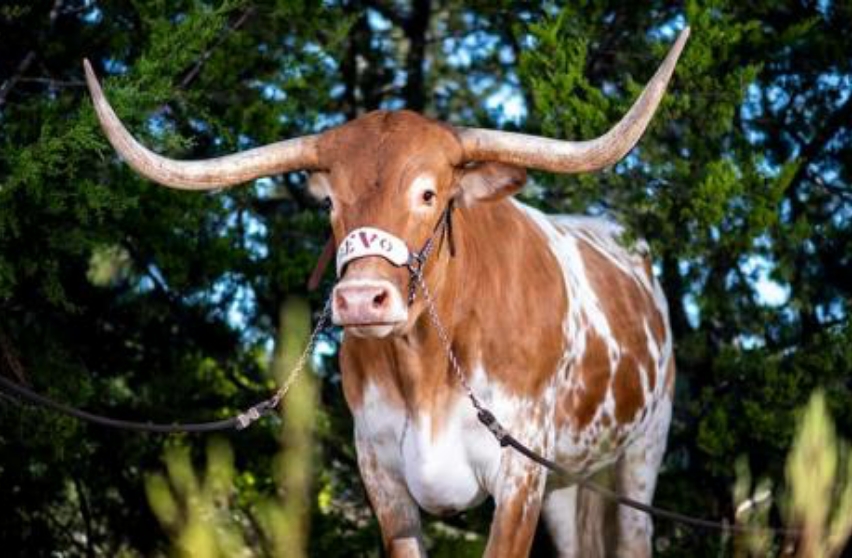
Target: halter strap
x,y
371,241
417,260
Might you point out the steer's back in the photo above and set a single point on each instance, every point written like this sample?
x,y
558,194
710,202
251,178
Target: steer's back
x,y
619,381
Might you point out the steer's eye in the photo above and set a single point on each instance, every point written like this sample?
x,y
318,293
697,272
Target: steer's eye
x,y
326,204
429,197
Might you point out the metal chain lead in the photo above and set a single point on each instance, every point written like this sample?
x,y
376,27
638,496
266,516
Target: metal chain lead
x,y
309,348
416,265
23,395
252,414
506,439
431,308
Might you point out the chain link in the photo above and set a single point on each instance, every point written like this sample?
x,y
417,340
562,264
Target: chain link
x,y
309,349
431,309
252,414
505,438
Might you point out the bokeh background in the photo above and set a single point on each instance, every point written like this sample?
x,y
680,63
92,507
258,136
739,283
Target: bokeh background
x,y
125,298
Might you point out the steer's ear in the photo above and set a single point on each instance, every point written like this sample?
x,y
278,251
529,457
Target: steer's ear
x,y
319,185
489,181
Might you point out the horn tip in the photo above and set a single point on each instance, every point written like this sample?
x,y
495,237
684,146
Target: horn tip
x,y
87,67
677,48
91,78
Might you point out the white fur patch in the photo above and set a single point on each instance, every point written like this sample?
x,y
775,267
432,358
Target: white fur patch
x,y
584,307
456,467
421,184
595,447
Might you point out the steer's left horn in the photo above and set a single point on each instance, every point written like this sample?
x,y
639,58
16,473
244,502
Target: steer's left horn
x,y
275,158
575,156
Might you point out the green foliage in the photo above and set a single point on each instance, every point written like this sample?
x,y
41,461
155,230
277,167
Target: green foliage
x,y
752,510
205,517
819,473
129,299
288,523
818,502
196,510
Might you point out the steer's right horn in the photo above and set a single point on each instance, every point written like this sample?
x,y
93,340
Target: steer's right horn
x,y
552,155
209,174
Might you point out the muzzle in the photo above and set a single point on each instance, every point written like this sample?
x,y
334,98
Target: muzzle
x,y
372,307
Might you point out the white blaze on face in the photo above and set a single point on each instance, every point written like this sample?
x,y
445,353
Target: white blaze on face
x,y
367,304
419,186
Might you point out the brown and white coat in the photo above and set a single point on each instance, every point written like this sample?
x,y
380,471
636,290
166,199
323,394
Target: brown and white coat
x,y
564,335
561,331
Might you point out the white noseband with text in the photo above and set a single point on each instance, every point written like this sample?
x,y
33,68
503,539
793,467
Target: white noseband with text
x,y
369,241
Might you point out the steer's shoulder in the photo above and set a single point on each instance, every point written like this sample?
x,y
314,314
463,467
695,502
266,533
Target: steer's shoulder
x,y
602,234
598,260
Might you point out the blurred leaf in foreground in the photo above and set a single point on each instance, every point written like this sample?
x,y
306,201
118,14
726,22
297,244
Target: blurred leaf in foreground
x,y
200,512
819,472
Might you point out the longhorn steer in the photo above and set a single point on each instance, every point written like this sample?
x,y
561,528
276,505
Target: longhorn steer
x,y
560,330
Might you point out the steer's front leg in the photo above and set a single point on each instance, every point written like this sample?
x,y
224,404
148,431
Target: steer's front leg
x,y
398,515
518,497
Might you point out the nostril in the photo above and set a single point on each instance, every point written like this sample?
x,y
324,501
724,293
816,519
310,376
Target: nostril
x,y
341,301
379,299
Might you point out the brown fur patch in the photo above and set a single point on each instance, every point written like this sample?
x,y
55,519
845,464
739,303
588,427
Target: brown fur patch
x,y
627,391
627,306
670,377
594,374
650,366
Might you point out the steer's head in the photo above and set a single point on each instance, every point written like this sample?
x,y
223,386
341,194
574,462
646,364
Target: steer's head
x,y
389,178
389,181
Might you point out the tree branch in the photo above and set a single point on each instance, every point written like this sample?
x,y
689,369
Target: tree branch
x,y
840,118
416,28
843,193
11,358
28,59
54,83
196,68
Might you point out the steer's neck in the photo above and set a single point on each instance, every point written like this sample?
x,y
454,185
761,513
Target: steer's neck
x,y
501,299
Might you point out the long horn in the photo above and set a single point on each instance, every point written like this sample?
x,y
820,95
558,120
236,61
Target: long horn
x,y
575,156
209,174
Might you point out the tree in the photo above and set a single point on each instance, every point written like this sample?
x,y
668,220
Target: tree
x,y
129,299
733,199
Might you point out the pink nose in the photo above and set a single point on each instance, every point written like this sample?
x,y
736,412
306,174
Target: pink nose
x,y
365,304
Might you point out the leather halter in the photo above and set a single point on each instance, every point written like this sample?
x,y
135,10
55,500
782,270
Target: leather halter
x,y
371,241
417,260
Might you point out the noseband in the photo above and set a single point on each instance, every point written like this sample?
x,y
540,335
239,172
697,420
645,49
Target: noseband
x,y
370,241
